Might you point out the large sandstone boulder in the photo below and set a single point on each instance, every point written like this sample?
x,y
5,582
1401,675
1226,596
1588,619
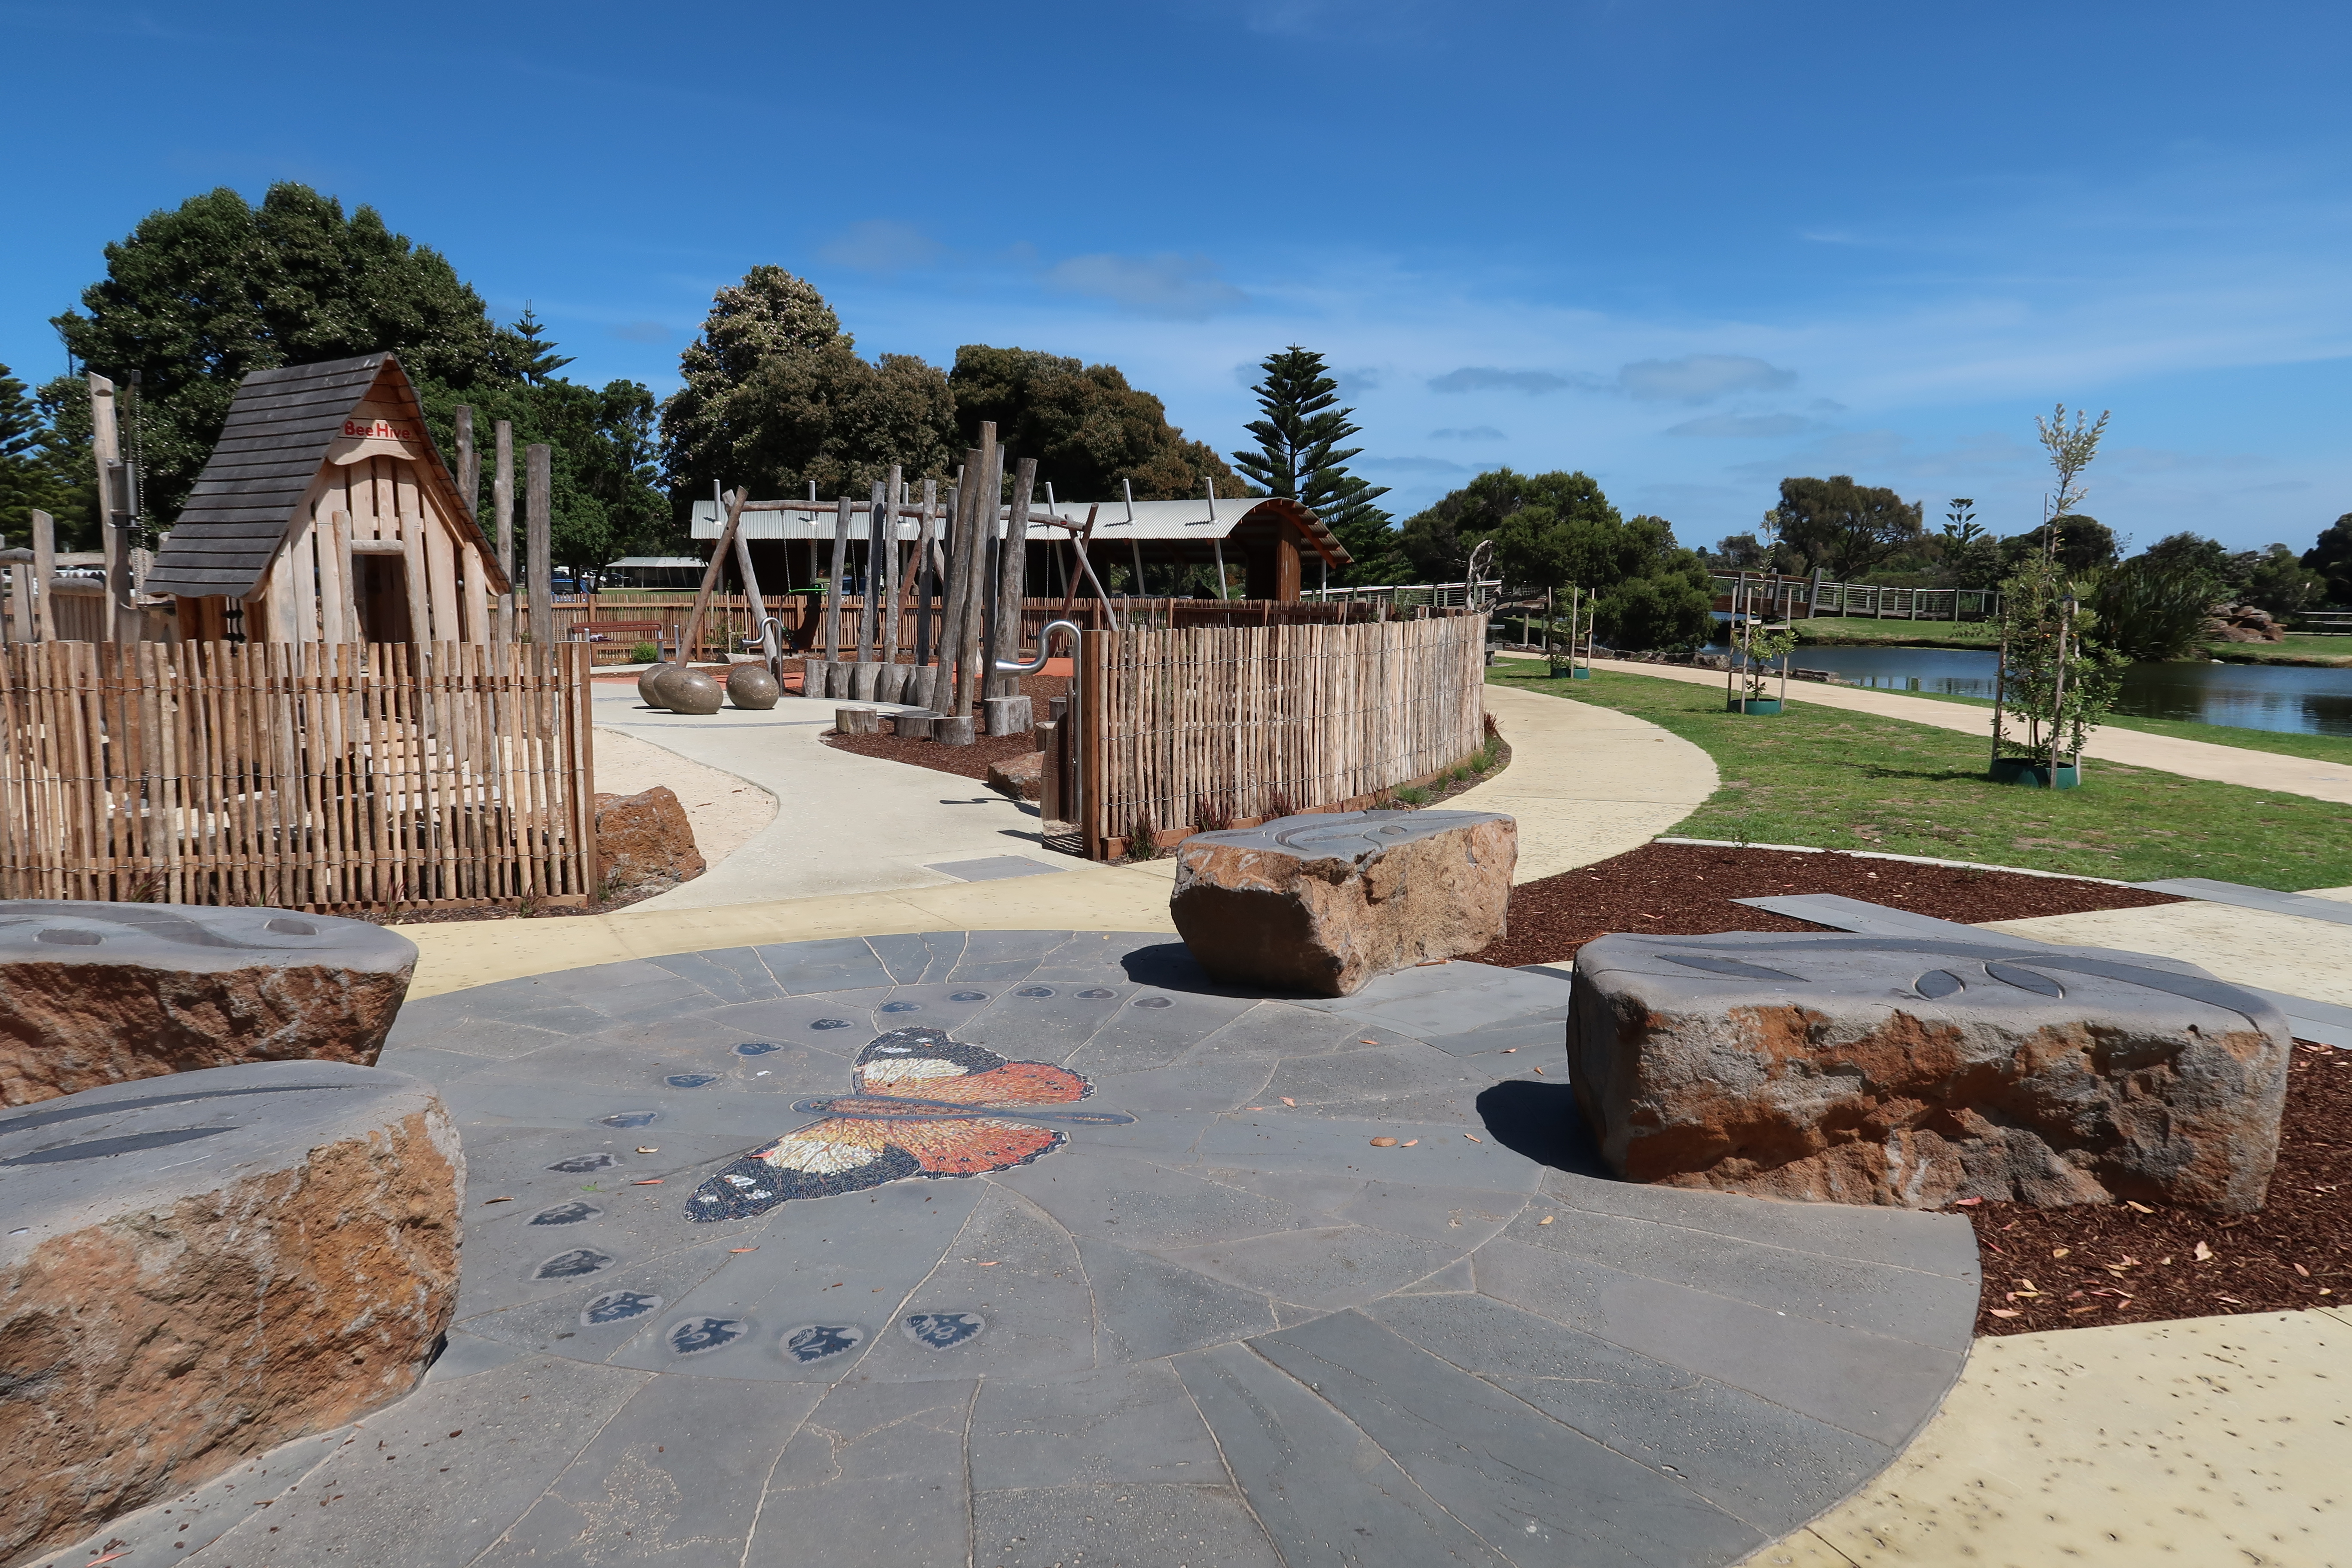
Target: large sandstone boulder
x,y
196,1268
1021,777
1323,903
94,993
1915,1071
645,839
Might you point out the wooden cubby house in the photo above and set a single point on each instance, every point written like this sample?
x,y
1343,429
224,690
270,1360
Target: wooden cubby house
x,y
325,515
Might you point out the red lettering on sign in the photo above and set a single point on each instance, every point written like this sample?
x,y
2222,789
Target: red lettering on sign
x,y
378,429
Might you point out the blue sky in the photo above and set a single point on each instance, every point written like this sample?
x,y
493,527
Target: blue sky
x,y
1689,246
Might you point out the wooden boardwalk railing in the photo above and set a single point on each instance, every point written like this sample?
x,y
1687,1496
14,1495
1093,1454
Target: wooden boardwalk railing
x,y
300,775
1237,724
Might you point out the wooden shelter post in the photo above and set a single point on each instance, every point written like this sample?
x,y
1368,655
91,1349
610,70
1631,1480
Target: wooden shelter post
x,y
890,589
1012,584
45,574
540,529
927,576
469,463
502,518
832,580
869,630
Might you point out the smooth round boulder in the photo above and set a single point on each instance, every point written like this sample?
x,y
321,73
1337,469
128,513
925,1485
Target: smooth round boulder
x,y
647,679
94,993
198,1269
749,686
687,690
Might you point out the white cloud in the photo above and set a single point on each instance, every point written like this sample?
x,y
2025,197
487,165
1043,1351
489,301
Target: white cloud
x,y
1486,378
1182,288
1412,465
1695,378
881,245
1741,426
1475,433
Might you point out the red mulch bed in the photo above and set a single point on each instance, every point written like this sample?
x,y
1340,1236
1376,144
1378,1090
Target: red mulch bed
x,y
965,761
1688,890
2114,1263
2091,1263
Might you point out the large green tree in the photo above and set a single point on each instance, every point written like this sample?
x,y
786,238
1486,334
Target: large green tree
x,y
1841,528
1554,529
30,477
2331,557
1298,458
201,294
1087,429
776,396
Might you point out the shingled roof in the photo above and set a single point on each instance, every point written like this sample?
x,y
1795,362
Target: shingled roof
x,y
277,436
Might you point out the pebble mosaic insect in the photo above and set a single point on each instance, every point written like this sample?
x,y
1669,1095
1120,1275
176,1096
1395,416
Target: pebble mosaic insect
x,y
921,1105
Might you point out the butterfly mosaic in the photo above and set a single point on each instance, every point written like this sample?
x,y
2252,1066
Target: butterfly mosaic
x,y
919,1104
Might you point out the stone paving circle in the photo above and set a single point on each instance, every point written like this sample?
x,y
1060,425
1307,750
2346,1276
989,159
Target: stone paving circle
x,y
729,1296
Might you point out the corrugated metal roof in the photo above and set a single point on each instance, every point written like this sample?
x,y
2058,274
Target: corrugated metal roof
x,y
276,435
1116,522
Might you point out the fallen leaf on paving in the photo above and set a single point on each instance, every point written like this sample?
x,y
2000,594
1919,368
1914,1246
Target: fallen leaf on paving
x,y
1539,1070
1474,1137
1510,1050
1410,1142
649,1181
648,1149
743,1249
1288,1100
1384,1143
1545,1220
990,1264
2203,1254
486,1202
1368,1042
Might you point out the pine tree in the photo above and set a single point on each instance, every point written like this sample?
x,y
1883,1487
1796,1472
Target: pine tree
x,y
1299,456
532,351
29,476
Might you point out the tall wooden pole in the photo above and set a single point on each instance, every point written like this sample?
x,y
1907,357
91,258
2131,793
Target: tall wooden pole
x,y
833,580
45,573
890,592
1013,583
502,519
983,535
926,578
113,507
769,649
690,641
537,525
877,510
962,510
469,464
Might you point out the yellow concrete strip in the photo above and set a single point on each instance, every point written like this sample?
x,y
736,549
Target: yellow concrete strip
x,y
2209,1440
460,953
2299,956
1585,783
2165,753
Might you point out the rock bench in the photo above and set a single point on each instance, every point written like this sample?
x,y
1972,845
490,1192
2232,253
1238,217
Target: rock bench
x,y
197,1267
1916,1071
1321,904
95,994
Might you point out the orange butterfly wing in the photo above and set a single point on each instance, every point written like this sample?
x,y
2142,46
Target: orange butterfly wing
x,y
1015,1083
970,1146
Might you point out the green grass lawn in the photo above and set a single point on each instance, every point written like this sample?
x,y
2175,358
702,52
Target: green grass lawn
x,y
2298,648
1854,781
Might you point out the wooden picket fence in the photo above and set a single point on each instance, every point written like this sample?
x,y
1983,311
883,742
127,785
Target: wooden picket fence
x,y
1236,723
298,776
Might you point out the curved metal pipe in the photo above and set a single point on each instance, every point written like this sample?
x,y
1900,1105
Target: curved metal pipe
x,y
1045,643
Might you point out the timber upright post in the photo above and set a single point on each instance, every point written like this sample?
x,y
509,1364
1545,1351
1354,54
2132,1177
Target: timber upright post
x,y
539,533
971,682
833,597
892,590
866,676
469,463
962,508
1012,584
927,544
502,519
115,506
45,572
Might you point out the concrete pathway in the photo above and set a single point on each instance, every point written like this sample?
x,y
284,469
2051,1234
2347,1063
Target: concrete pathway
x,y
1586,782
726,811
2191,759
1191,1317
845,824
2209,1440
2291,953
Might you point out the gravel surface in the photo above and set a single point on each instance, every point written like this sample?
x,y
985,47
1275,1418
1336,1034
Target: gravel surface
x,y
1688,890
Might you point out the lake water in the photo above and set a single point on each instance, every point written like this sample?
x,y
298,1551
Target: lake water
x,y
2294,699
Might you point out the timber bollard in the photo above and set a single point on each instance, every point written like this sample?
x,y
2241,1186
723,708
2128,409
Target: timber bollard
x,y
951,730
1008,715
857,721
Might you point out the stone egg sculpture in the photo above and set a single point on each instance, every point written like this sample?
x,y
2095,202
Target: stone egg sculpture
x,y
751,686
646,678
684,690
